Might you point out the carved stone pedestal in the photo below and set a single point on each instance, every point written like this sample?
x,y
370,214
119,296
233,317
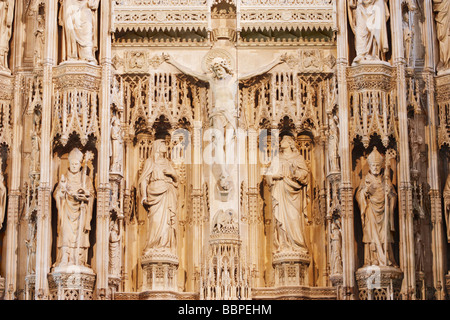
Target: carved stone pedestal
x,y
71,283
379,283
447,285
30,285
113,284
291,268
2,287
420,286
336,280
159,271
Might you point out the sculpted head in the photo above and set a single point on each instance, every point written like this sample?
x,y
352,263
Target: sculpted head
x,y
375,161
75,159
220,67
159,148
287,143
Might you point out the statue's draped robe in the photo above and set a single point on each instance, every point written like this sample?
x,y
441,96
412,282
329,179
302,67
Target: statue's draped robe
x,y
79,23
161,194
288,203
74,216
373,215
6,20
369,23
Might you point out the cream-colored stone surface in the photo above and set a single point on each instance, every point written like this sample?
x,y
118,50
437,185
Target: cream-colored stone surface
x,y
227,150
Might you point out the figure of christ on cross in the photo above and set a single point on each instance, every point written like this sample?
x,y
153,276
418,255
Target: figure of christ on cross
x,y
223,83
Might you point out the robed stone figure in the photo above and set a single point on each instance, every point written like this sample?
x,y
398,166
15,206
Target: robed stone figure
x,y
441,10
158,185
377,199
6,20
78,19
288,202
74,196
368,19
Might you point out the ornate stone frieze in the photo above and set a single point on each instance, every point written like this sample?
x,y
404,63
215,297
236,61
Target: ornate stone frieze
x,y
301,14
150,15
71,285
6,97
155,94
294,293
373,100
379,283
76,101
196,15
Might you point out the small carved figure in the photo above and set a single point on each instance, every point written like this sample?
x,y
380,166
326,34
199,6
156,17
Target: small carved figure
x,y
2,196
418,246
333,144
368,19
39,39
377,198
407,36
78,19
336,247
116,145
114,248
158,185
30,243
35,144
74,197
287,204
6,20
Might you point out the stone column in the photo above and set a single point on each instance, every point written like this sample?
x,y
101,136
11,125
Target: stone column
x,y
14,153
195,217
405,188
346,189
44,231
437,241
255,216
104,187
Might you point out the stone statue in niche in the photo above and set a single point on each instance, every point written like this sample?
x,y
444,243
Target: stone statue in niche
x,y
407,36
35,143
39,41
158,185
377,199
225,222
333,144
116,145
30,243
2,196
368,19
78,19
114,247
418,246
336,247
441,9
288,205
74,197
447,205
6,20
